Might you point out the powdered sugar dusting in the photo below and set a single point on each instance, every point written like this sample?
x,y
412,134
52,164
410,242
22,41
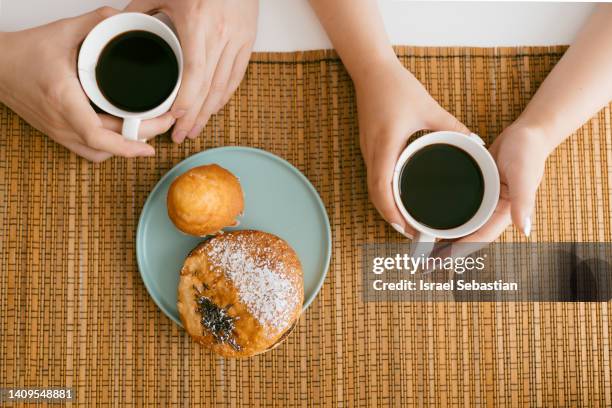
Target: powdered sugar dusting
x,y
258,277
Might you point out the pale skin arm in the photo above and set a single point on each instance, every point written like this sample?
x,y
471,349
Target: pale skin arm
x,y
357,32
575,90
579,85
391,102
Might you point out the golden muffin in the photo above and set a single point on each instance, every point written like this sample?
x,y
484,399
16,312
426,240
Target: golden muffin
x,y
241,293
204,200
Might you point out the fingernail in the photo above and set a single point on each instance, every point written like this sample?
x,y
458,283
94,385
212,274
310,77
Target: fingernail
x,y
195,132
148,152
527,226
400,229
179,135
178,113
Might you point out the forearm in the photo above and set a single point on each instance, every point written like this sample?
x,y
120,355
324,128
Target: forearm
x,y
357,31
11,46
579,85
4,68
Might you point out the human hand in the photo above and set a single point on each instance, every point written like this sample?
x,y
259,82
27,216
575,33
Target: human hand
x,y
392,105
217,38
520,153
38,81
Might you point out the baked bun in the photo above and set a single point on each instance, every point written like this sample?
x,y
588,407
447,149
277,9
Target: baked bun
x,y
241,293
204,200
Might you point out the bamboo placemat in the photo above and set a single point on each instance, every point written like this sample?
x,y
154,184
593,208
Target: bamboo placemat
x,y
74,311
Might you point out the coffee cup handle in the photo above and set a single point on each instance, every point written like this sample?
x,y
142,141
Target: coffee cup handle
x,y
423,244
130,128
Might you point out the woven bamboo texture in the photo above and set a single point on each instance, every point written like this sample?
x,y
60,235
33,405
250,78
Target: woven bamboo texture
x,y
74,311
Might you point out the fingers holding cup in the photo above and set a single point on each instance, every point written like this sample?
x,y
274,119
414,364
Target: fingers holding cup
x,y
380,178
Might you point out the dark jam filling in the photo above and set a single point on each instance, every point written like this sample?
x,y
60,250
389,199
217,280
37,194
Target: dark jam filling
x,y
216,321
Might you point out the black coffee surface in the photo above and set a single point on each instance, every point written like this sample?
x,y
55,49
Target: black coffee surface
x,y
137,71
441,186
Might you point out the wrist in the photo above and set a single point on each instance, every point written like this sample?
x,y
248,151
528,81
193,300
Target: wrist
x,y
536,132
4,68
364,69
547,123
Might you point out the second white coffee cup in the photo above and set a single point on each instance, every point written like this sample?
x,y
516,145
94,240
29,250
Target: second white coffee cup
x,y
474,146
94,44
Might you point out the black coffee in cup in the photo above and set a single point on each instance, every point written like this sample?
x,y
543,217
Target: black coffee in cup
x,y
137,71
441,186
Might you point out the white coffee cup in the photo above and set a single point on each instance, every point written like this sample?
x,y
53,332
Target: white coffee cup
x,y
475,147
94,44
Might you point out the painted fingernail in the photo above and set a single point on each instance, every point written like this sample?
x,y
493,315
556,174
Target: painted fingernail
x,y
178,113
527,226
179,135
400,229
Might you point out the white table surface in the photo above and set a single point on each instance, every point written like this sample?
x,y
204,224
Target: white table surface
x,y
288,25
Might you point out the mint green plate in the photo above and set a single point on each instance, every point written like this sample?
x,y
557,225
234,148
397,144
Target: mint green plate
x,y
277,199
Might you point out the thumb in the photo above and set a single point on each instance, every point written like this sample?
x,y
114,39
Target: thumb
x,y
82,25
443,120
522,190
